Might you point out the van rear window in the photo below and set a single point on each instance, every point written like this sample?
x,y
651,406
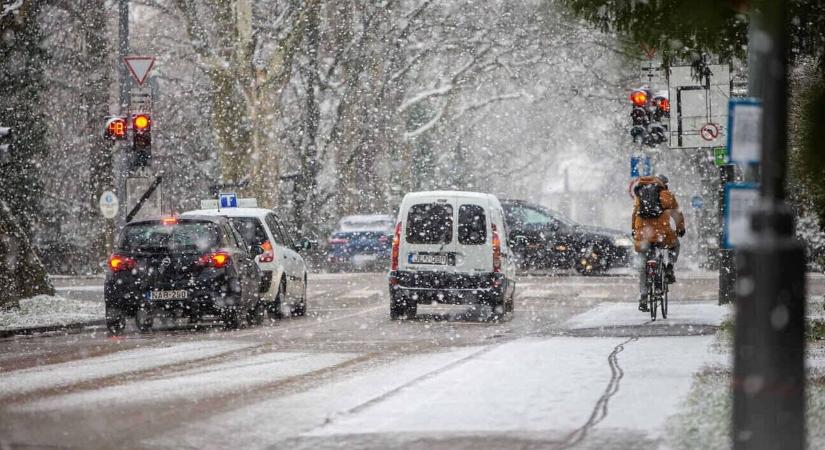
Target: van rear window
x,y
430,223
472,225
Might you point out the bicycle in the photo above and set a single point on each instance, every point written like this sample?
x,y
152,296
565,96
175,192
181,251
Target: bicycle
x,y
657,285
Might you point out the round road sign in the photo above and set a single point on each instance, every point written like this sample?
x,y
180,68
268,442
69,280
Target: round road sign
x,y
709,131
108,204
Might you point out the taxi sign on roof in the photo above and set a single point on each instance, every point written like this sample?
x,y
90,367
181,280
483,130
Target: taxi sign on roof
x,y
229,202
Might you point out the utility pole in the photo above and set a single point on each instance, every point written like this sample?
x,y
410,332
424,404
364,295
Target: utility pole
x,y
769,352
121,160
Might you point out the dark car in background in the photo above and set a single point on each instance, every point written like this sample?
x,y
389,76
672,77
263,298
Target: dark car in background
x,y
361,242
544,239
187,267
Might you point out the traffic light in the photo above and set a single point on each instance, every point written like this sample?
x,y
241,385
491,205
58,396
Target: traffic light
x,y
650,115
115,128
141,140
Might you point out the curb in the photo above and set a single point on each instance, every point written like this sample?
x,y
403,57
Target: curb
x,y
48,328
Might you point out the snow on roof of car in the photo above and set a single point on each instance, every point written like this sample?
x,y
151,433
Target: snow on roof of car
x,y
463,194
230,212
366,222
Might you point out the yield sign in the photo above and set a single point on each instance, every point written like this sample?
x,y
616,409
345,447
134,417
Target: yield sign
x,y
139,66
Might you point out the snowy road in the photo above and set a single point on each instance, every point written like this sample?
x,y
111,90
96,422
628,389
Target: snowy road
x,y
576,366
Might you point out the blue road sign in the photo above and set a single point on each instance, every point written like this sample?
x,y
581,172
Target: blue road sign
x,y
640,166
697,202
229,200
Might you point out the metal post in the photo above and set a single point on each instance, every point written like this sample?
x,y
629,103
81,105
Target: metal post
x,y
727,259
769,375
120,159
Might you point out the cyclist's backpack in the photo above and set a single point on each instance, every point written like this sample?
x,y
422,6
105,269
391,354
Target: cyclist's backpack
x,y
649,203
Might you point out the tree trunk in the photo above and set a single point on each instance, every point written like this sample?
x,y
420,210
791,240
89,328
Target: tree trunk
x,y
21,273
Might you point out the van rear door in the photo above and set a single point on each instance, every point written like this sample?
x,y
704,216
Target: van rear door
x,y
428,235
473,250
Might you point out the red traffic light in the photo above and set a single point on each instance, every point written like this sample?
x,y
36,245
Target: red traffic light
x,y
115,128
663,104
141,122
639,97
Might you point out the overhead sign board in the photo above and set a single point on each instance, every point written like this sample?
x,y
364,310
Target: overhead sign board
x,y
740,201
108,204
139,67
699,106
745,125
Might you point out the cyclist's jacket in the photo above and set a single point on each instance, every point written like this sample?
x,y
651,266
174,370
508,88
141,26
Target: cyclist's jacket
x,y
657,229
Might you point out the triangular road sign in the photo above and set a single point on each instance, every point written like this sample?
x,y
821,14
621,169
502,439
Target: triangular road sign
x,y
139,66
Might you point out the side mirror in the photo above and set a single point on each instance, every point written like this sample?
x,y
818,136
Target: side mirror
x,y
303,245
255,250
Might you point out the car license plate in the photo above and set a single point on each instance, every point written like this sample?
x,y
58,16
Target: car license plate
x,y
429,258
179,294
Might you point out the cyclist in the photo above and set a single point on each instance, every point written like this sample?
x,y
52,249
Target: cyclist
x,y
657,221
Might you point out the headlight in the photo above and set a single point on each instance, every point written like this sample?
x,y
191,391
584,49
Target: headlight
x,y
622,241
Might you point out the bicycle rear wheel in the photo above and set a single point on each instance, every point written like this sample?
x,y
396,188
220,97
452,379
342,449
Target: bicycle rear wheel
x,y
664,302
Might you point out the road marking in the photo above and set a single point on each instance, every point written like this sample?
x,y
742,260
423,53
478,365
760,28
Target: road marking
x,y
63,374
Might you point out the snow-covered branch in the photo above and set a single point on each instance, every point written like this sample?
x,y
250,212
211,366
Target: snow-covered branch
x,y
10,8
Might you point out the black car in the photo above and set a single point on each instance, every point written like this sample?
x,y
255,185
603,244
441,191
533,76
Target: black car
x,y
544,239
190,267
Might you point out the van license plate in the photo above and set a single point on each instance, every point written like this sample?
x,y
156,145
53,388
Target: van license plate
x,y
180,294
428,258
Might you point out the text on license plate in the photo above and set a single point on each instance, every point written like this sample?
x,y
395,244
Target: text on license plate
x,y
428,258
180,294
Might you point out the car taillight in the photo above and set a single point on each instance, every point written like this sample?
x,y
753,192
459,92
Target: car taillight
x,y
119,263
214,259
268,254
337,241
396,244
496,250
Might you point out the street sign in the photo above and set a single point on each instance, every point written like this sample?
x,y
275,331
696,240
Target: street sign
x,y
745,125
228,200
139,67
740,200
697,202
108,204
640,166
709,131
698,99
720,156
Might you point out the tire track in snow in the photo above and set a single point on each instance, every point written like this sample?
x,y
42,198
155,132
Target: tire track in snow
x,y
600,409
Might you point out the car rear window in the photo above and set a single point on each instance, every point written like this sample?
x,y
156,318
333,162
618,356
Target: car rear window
x,y
182,237
251,229
472,225
430,223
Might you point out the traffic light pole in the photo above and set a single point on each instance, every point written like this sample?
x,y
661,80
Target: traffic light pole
x,y
769,375
123,77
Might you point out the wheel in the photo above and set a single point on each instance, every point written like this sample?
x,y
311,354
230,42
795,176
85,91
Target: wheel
x,y
592,261
144,320
232,319
510,305
258,314
299,309
402,308
498,307
664,301
652,301
115,322
275,305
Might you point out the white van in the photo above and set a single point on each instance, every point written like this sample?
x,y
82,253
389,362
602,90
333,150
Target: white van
x,y
450,247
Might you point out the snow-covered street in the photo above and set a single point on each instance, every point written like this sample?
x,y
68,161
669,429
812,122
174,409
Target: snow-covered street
x,y
566,370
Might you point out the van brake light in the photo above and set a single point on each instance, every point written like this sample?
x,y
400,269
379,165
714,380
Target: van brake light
x,y
396,244
214,259
496,250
